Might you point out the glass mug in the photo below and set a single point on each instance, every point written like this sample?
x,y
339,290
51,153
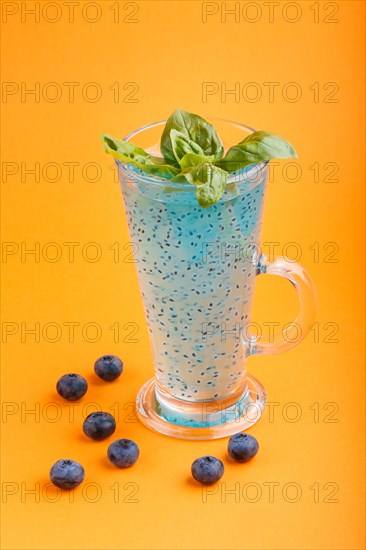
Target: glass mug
x,y
197,269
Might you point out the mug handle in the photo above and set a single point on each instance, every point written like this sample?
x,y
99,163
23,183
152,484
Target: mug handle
x,y
294,332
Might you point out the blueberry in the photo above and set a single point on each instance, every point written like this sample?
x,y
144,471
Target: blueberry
x,y
67,474
99,425
123,453
242,447
108,367
72,386
207,469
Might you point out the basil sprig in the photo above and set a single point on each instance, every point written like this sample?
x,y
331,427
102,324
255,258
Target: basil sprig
x,y
256,148
192,152
210,182
182,145
128,153
196,129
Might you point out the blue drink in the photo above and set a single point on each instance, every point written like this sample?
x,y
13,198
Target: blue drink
x,y
197,284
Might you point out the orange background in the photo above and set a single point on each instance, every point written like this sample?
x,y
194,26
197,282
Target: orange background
x,y
169,52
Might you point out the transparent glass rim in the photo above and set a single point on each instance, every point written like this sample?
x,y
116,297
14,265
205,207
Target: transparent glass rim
x,y
236,177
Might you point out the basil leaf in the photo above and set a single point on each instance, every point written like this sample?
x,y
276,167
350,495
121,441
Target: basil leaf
x,y
257,147
210,182
196,129
179,178
128,153
125,149
182,145
191,159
